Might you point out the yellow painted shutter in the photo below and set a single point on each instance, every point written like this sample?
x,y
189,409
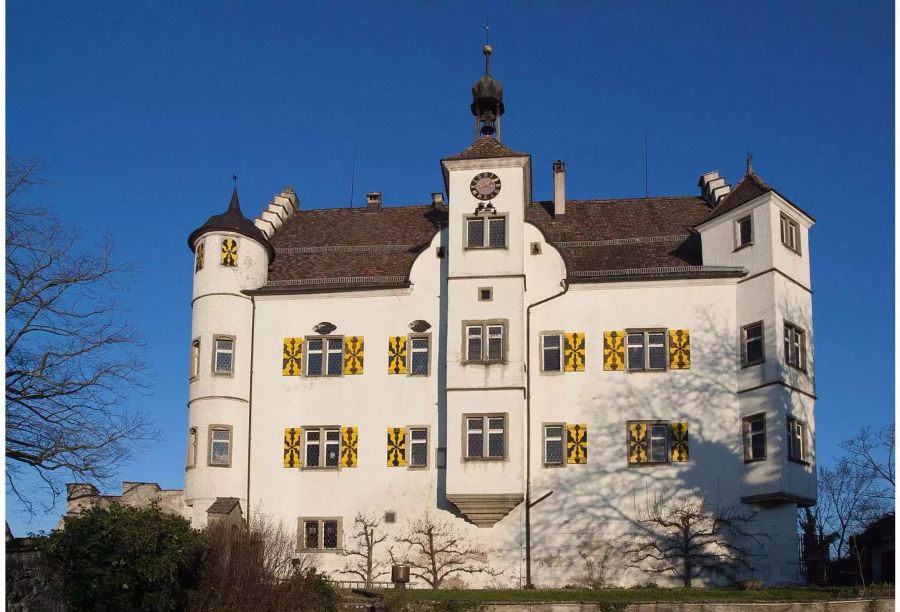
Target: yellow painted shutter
x,y
291,357
576,443
679,349
396,446
229,252
349,446
292,438
637,443
679,442
614,351
353,355
574,351
200,252
397,355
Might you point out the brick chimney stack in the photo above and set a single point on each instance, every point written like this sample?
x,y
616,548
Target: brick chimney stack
x,y
559,189
373,201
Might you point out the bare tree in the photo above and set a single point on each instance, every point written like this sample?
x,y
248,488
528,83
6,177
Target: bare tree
x,y
682,538
596,561
367,534
436,550
849,498
873,450
70,356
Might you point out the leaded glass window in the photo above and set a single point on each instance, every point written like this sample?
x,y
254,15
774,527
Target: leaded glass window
x,y
553,444
418,445
324,356
552,352
486,437
646,350
419,350
220,446
659,443
224,356
329,534
474,437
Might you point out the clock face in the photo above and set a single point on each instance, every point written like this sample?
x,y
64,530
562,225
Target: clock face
x,y
485,186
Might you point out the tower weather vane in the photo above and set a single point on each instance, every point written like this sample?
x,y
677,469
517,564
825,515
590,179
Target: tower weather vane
x,y
234,178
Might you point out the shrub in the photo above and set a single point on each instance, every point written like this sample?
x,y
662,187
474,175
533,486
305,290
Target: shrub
x,y
124,558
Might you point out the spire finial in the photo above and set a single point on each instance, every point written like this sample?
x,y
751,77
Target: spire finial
x,y
749,163
234,178
487,47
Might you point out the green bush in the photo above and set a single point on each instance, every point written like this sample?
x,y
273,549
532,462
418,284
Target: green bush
x,y
124,558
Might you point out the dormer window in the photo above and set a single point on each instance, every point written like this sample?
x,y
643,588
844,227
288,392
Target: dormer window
x,y
486,232
743,232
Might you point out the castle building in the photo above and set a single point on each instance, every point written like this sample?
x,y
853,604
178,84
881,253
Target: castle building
x,y
466,357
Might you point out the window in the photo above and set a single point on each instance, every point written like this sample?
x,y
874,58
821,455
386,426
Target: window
x,y
659,443
220,445
551,348
794,346
796,430
195,358
790,233
485,341
223,357
755,438
646,350
419,349
418,447
487,232
744,231
324,356
485,294
485,436
553,445
322,534
192,447
323,446
199,257
752,344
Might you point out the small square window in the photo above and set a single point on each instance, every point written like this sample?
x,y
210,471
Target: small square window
x,y
744,231
390,517
485,294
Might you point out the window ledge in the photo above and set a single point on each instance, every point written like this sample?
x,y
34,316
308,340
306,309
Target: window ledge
x,y
757,460
486,363
214,465
750,365
321,468
327,551
800,461
485,458
485,248
653,464
743,246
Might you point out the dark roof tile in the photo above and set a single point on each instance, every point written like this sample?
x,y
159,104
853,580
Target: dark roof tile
x,y
485,148
748,188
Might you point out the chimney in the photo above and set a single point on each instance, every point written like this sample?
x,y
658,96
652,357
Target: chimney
x,y
373,201
437,200
559,189
713,187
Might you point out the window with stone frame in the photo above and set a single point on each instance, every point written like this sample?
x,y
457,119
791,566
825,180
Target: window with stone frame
x,y
752,344
796,433
743,231
223,355
192,448
324,356
320,534
220,445
485,436
790,233
195,358
646,350
794,346
485,341
419,352
754,433
486,232
322,447
418,447
554,444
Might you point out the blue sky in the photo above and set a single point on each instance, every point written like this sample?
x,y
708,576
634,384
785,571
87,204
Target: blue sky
x,y
142,111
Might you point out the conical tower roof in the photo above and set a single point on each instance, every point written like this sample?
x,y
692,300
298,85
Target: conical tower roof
x,y
233,220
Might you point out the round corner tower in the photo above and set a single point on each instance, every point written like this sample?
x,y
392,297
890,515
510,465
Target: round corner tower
x,y
231,255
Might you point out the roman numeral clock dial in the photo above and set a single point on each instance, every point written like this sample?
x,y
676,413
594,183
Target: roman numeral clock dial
x,y
485,186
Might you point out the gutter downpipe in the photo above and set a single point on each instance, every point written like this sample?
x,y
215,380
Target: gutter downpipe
x,y
565,286
250,401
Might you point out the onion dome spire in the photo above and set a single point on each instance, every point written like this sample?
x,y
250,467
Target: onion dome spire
x,y
487,101
233,220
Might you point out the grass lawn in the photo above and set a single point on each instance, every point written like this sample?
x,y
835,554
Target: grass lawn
x,y
645,595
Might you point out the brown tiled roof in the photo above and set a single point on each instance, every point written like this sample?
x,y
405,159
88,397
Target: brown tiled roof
x,y
223,505
627,234
748,188
486,148
318,247
342,248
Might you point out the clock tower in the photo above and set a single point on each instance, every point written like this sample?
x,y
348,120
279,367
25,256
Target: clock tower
x,y
489,187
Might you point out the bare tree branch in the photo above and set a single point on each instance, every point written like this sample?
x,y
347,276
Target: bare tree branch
x,y
680,537
367,535
849,498
435,551
873,450
71,358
